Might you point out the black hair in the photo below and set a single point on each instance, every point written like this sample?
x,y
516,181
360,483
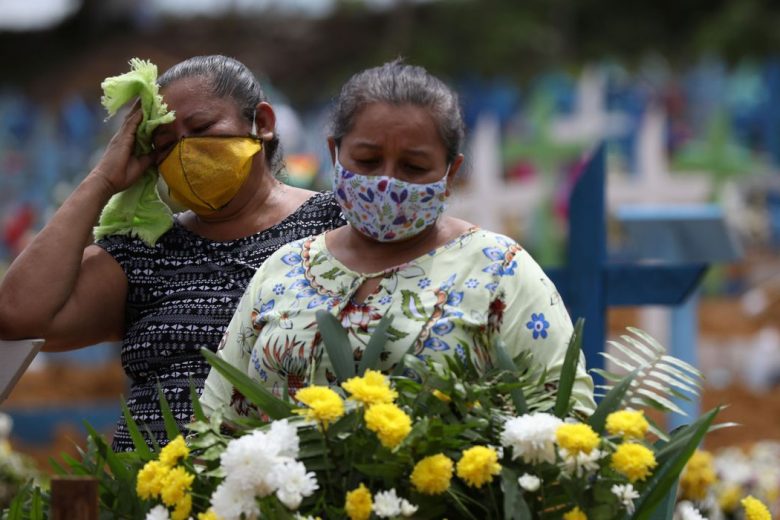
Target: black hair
x,y
398,83
229,78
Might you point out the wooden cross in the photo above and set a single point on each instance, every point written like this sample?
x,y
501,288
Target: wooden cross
x,y
589,283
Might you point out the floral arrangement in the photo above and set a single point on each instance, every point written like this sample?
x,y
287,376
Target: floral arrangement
x,y
732,483
15,469
433,439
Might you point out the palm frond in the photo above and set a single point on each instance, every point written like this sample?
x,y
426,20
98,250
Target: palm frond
x,y
660,379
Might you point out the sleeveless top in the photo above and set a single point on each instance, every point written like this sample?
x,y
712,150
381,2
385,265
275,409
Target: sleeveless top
x,y
181,295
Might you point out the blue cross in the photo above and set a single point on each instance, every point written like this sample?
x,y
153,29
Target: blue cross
x,y
589,284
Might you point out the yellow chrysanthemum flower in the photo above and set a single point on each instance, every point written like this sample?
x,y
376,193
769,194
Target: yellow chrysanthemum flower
x,y
755,509
209,515
634,461
478,466
372,388
183,508
631,424
698,476
175,485
576,438
358,504
175,450
729,498
389,422
575,514
432,475
324,405
149,482
441,396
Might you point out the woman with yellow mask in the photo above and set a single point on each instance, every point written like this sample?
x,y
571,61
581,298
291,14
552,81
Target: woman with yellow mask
x,y
219,158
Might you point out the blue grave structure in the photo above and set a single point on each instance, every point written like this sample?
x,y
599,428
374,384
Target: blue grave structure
x,y
590,282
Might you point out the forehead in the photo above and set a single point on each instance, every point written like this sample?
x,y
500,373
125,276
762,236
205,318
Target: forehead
x,y
185,95
404,124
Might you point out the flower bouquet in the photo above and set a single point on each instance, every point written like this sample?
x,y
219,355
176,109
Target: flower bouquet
x,y
433,439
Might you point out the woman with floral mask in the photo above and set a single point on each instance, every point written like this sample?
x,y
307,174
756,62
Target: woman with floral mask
x,y
219,158
397,134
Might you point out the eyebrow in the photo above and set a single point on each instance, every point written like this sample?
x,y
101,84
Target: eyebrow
x,y
420,152
188,119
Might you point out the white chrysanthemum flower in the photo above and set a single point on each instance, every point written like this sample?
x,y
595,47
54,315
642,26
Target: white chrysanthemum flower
x,y
529,482
626,494
686,511
292,483
247,462
531,437
407,508
229,502
580,463
158,512
284,437
387,504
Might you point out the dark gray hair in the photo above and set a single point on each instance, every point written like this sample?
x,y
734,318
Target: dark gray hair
x,y
229,78
398,83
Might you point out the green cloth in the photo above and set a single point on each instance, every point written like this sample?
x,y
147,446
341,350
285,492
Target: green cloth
x,y
137,211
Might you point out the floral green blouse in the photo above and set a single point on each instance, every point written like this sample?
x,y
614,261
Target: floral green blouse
x,y
479,286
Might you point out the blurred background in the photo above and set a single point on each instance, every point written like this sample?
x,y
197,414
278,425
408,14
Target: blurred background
x,y
685,96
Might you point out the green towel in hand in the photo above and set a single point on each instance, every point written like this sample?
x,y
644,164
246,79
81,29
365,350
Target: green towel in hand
x,y
138,210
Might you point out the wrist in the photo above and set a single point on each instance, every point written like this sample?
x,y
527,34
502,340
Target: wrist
x,y
98,184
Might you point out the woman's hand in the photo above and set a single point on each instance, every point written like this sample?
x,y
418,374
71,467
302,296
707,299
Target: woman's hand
x,y
119,168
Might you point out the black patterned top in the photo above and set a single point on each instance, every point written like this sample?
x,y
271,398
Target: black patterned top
x,y
181,295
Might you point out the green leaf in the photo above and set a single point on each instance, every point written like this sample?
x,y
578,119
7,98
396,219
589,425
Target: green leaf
x,y
36,505
412,307
260,396
611,402
376,345
58,469
336,345
171,428
505,363
132,428
385,470
667,473
569,371
197,409
119,470
515,506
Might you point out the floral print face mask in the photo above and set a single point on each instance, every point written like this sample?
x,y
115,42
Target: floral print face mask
x,y
385,208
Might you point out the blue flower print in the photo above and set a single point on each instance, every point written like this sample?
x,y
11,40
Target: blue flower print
x,y
292,259
538,325
436,344
443,327
425,282
491,286
278,289
385,300
460,353
472,283
454,298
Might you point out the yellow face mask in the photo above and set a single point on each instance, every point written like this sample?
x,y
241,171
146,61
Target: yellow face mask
x,y
205,173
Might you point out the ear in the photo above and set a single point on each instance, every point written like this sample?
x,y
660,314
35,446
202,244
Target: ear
x,y
332,149
454,167
266,121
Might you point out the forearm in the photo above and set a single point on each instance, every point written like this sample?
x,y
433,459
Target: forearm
x,y
40,281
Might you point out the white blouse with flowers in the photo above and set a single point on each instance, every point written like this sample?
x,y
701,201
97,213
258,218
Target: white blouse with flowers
x,y
479,286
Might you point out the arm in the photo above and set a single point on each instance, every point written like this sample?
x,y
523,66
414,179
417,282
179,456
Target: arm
x,y
533,303
57,289
235,348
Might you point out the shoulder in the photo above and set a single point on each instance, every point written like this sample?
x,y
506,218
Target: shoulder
x,y
320,204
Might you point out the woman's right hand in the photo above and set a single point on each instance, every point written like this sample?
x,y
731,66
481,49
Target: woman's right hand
x,y
118,167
